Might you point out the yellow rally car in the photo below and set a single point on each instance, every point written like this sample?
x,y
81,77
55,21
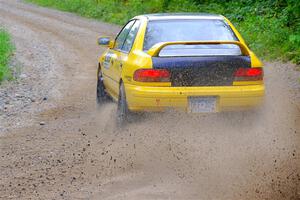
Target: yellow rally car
x,y
198,62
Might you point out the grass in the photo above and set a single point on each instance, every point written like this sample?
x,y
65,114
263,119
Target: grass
x,y
270,27
6,51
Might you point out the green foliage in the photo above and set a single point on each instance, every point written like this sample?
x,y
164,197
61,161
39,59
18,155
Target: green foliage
x,y
6,50
271,27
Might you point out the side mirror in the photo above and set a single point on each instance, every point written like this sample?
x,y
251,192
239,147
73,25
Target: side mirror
x,y
105,41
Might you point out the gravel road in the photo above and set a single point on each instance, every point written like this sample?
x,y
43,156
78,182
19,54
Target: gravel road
x,y
56,144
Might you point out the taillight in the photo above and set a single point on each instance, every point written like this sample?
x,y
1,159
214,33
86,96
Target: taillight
x,y
249,74
152,75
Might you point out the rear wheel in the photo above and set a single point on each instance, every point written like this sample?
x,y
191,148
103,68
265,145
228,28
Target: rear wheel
x,y
122,110
101,93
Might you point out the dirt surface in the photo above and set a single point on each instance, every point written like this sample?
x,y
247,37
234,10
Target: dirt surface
x,y
56,144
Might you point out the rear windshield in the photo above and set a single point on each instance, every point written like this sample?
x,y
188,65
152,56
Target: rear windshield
x,y
191,30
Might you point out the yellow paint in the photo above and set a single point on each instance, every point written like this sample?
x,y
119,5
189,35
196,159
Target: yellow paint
x,y
229,97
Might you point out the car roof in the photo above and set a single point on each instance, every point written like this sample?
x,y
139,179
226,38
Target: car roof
x,y
170,16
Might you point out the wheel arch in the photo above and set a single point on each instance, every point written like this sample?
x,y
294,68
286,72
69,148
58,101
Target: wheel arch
x,y
120,82
98,70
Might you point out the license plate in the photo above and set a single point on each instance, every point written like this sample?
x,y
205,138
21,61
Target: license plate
x,y
202,104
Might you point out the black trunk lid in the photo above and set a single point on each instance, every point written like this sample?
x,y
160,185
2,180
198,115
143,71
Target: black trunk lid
x,y
202,70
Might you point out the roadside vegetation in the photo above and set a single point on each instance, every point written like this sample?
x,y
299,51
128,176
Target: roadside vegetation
x,y
270,27
6,51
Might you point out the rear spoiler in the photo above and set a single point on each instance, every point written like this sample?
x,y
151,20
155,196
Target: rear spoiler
x,y
154,50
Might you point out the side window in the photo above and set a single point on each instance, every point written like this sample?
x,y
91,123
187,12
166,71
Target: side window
x,y
122,35
131,37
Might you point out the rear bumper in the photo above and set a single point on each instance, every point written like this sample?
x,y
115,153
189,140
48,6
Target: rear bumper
x,y
145,98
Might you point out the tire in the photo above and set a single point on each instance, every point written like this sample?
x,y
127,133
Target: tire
x,y
122,110
101,95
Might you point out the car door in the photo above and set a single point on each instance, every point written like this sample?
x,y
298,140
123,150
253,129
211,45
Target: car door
x,y
111,61
122,54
